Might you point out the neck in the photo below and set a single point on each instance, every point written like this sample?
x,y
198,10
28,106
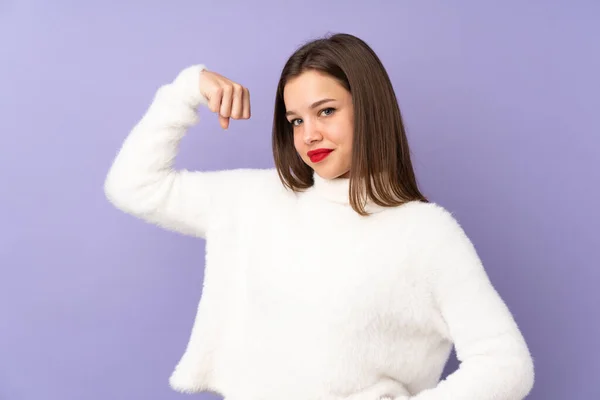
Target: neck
x,y
338,191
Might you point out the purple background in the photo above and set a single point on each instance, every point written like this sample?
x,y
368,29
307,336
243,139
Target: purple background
x,y
501,103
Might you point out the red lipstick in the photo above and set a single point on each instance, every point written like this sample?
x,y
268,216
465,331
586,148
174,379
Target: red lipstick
x,y
318,154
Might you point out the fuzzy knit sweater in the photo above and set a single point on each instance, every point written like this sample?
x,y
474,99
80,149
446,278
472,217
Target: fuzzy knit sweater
x,y
304,299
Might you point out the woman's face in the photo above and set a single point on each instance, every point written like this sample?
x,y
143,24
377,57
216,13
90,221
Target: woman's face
x,y
322,117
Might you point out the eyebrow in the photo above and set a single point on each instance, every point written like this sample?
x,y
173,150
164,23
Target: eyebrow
x,y
313,105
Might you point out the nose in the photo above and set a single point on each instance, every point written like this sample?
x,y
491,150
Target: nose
x,y
311,133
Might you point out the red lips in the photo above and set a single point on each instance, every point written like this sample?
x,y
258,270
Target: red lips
x,y
318,154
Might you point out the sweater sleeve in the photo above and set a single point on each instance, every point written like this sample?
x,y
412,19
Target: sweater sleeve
x,y
495,362
142,181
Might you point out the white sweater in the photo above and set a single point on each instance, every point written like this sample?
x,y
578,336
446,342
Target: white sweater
x,y
303,298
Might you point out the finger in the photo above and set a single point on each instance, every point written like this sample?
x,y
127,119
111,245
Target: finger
x,y
237,103
224,121
246,104
214,101
225,110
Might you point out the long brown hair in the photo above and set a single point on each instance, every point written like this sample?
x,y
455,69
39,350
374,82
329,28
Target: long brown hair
x,y
381,168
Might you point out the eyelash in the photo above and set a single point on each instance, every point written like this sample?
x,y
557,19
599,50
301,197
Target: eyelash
x,y
325,109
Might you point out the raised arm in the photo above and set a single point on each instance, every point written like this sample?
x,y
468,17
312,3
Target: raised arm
x,y
495,363
142,181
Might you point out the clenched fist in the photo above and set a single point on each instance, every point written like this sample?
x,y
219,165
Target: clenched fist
x,y
227,98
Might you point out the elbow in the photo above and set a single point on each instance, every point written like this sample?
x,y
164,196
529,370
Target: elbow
x,y
508,374
120,193
114,192
135,195
524,368
521,376
509,377
527,379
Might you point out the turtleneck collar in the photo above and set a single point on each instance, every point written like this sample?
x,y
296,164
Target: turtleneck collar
x,y
337,191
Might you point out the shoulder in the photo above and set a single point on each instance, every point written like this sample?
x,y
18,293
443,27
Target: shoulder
x,y
430,223
440,242
256,180
251,183
244,177
428,216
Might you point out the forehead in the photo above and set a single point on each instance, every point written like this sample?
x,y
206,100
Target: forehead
x,y
312,86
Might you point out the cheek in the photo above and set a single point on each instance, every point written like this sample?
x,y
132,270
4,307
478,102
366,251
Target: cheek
x,y
342,133
299,143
